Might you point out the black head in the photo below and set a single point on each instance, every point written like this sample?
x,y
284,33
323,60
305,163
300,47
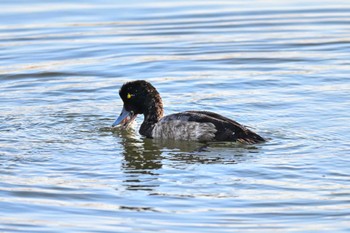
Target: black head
x,y
136,95
139,97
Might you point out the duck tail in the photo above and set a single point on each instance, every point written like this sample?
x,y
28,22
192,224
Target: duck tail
x,y
249,137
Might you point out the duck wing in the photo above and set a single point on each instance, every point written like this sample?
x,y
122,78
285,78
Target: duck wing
x,y
205,126
227,129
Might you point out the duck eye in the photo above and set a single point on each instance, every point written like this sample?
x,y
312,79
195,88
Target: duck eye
x,y
129,96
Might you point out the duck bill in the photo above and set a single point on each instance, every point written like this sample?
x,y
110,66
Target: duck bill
x,y
125,118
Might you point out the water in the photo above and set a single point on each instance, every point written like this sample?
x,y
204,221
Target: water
x,y
281,68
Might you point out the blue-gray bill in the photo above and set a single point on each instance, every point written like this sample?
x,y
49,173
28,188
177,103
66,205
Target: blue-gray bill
x,y
125,118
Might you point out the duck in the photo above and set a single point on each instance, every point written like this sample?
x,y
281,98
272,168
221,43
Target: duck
x,y
141,97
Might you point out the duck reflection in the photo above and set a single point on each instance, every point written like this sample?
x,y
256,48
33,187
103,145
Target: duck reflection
x,y
141,155
144,157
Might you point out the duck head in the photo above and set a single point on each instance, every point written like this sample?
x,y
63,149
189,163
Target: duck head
x,y
139,97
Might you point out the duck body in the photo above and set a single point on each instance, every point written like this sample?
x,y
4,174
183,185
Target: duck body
x,y
201,126
140,97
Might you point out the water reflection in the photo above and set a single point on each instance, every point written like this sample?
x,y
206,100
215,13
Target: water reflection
x,y
141,155
145,155
215,153
142,159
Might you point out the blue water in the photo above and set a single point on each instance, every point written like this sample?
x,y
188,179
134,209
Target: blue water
x,y
280,67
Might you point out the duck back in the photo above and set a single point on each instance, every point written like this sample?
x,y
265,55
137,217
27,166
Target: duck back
x,y
203,126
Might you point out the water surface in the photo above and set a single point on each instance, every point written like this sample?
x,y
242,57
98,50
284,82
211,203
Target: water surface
x,y
281,68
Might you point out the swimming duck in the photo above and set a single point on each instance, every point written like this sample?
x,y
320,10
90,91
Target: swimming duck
x,y
140,97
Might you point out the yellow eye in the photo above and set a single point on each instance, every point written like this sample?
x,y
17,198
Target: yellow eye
x,y
129,96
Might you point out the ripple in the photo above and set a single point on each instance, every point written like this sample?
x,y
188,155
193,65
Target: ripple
x,y
277,66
